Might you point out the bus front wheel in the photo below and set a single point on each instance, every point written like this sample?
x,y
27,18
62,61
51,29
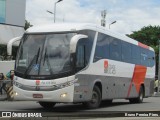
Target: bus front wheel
x,y
95,100
47,105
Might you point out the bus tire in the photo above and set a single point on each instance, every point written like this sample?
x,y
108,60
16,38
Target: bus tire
x,y
47,105
96,99
140,97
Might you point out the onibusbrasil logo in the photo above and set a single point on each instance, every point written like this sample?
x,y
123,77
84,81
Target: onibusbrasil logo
x,y
20,114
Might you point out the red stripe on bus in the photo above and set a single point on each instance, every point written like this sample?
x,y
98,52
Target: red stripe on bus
x,y
143,45
130,86
137,78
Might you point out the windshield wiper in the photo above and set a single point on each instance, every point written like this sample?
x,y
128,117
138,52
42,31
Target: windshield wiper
x,y
31,63
37,55
48,63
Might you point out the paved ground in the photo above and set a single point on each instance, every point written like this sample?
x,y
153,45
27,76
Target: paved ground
x,y
67,111
114,111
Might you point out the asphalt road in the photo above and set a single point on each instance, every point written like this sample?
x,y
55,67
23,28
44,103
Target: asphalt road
x,y
117,108
149,104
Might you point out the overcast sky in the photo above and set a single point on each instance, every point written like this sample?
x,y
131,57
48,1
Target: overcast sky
x,y
131,15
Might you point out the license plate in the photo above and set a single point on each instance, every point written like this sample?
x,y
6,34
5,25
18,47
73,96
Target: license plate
x,y
37,96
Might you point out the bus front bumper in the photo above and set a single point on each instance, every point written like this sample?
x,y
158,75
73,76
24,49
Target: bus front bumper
x,y
61,95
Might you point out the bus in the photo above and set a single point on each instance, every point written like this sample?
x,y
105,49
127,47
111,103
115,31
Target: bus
x,y
81,63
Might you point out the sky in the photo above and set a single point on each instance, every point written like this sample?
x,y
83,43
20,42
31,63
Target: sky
x,y
130,15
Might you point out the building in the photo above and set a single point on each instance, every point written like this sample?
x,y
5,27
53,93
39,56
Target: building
x,y
12,19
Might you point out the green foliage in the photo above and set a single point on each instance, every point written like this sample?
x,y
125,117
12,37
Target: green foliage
x,y
150,36
27,25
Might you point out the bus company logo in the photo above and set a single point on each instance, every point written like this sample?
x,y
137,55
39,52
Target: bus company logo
x,y
37,82
105,64
110,69
48,83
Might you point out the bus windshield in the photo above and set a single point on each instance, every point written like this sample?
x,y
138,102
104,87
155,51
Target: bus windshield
x,y
44,54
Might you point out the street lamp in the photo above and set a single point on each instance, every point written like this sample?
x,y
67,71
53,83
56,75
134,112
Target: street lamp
x,y
50,12
55,9
111,24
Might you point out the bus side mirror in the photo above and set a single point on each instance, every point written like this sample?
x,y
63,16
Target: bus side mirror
x,y
10,43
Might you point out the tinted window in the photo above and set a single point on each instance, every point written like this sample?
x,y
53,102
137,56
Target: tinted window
x,y
108,47
136,59
115,49
80,63
151,58
144,57
126,52
86,44
102,47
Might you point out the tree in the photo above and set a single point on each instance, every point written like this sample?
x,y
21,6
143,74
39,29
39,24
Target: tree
x,y
27,25
150,36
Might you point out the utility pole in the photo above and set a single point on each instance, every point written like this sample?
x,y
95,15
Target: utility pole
x,y
54,13
159,68
55,9
103,20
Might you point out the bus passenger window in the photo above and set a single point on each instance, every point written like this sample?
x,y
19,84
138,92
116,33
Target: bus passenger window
x,y
115,50
151,58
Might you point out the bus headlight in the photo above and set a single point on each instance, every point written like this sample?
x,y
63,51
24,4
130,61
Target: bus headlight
x,y
63,95
19,85
15,93
66,84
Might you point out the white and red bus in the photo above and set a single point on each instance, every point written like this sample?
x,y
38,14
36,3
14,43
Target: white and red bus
x,y
82,63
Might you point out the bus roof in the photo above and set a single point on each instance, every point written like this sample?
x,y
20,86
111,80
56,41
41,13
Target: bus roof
x,y
61,27
69,27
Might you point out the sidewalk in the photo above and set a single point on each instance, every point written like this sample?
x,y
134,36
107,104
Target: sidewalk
x,y
156,94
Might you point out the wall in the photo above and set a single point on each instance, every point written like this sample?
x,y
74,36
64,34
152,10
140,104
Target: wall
x,y
14,21
15,12
8,32
6,66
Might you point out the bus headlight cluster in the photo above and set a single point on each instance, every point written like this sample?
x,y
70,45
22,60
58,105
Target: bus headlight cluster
x,y
66,84
63,95
15,93
19,85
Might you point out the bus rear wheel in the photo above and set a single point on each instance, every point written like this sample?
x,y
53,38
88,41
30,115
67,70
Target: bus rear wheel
x,y
140,97
96,99
47,105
